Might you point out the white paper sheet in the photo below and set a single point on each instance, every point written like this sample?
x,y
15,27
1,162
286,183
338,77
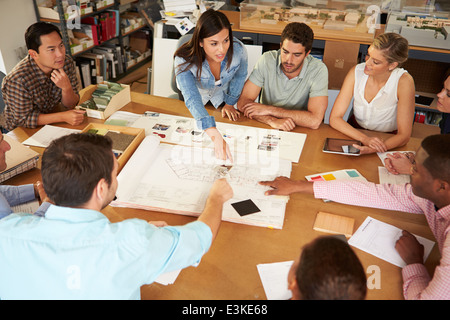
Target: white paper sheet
x,y
379,238
47,134
274,279
386,177
240,139
383,155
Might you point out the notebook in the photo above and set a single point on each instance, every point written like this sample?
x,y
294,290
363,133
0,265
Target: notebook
x,y
19,159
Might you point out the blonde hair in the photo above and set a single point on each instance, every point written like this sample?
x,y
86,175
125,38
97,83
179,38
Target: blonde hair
x,y
394,47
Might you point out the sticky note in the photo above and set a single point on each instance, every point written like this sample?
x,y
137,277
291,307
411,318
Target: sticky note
x,y
317,178
329,177
352,173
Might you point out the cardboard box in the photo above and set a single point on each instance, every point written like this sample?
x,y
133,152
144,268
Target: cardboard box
x,y
139,134
339,58
117,102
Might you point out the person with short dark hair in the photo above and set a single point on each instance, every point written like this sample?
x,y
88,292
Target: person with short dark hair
x,y
43,81
75,252
428,194
327,269
293,84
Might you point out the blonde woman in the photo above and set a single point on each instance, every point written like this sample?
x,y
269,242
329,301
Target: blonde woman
x,y
383,96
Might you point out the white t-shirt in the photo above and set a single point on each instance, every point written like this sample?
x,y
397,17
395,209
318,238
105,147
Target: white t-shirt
x,y
381,113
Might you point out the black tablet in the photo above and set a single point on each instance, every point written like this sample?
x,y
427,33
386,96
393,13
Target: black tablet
x,y
341,146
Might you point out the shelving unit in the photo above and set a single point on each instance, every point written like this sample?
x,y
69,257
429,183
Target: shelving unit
x,y
118,40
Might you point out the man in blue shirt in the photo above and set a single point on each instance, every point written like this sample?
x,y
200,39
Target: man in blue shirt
x,y
15,195
75,252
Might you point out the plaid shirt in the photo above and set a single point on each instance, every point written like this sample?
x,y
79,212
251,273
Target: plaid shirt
x,y
417,283
28,91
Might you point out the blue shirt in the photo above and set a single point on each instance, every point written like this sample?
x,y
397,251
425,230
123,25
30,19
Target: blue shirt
x,y
197,93
80,254
14,195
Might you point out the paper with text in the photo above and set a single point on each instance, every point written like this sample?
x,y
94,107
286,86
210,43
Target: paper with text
x,y
378,238
47,134
386,177
241,139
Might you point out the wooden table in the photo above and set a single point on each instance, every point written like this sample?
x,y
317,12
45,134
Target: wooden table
x,y
228,271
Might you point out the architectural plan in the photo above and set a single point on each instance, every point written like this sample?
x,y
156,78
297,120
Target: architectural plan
x,y
177,179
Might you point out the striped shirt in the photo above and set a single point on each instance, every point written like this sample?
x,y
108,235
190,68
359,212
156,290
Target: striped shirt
x,y
417,283
28,92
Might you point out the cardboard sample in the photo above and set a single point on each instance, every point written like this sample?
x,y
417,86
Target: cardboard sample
x,y
103,128
339,58
335,224
117,102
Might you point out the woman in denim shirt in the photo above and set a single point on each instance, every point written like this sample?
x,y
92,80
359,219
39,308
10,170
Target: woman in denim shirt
x,y
212,66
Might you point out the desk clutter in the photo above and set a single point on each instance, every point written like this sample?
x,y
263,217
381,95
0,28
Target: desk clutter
x,y
165,157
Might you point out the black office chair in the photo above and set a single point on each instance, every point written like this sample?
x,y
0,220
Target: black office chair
x,y
182,40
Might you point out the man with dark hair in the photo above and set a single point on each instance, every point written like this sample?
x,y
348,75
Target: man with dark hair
x,y
428,194
327,269
37,86
75,252
293,84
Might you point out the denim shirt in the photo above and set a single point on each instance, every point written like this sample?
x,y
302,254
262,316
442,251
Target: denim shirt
x,y
14,195
228,89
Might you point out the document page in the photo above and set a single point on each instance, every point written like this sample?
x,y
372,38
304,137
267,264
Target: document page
x,y
386,177
47,134
177,179
241,139
379,238
274,279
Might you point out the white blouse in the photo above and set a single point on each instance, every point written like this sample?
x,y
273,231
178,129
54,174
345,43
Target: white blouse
x,y
381,113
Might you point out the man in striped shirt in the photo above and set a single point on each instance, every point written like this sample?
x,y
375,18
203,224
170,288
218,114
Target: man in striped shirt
x,y
428,194
44,79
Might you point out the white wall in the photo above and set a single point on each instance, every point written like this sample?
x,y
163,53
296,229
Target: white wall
x,y
15,17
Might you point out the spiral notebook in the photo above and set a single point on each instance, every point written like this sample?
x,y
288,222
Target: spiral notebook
x,y
19,159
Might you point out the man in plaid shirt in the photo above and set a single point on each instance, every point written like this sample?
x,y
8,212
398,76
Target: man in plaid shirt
x,y
428,194
37,85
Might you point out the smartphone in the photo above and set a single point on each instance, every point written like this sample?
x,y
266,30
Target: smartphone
x,y
341,146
